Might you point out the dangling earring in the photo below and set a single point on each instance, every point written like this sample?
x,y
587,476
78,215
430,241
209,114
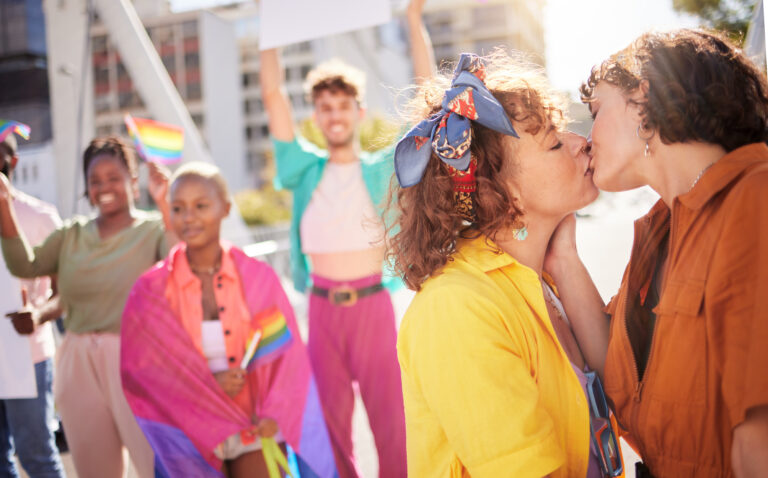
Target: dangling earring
x,y
519,229
520,234
647,152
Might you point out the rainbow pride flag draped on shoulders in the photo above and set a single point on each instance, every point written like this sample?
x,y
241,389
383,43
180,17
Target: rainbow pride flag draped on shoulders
x,y
179,405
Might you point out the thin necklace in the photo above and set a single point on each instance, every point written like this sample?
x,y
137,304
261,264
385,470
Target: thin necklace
x,y
701,174
207,270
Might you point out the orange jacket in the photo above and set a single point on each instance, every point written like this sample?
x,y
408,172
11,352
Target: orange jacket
x,y
709,351
184,294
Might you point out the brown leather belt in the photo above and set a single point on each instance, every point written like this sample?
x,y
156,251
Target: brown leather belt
x,y
346,296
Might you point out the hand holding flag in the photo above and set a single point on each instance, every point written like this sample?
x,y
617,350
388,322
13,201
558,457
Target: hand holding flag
x,y
269,340
250,349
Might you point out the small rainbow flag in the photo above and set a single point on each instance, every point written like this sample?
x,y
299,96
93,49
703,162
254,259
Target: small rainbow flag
x,y
156,142
271,337
7,127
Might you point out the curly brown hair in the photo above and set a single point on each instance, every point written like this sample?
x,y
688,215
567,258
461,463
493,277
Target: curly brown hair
x,y
426,220
700,88
111,145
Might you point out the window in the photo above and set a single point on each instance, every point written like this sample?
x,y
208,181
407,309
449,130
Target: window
x,y
248,133
250,79
122,73
192,60
265,131
100,44
491,16
102,103
194,92
34,172
163,36
189,29
169,61
13,27
101,79
254,106
124,99
128,99
35,27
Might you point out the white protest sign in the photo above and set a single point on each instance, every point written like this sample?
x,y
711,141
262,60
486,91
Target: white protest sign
x,y
284,22
17,371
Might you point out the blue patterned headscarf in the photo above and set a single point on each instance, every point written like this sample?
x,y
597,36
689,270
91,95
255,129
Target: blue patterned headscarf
x,y
449,131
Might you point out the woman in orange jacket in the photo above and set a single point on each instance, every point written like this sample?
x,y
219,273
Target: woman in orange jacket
x,y
686,113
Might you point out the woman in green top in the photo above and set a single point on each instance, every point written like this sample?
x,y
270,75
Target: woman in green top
x,y
97,260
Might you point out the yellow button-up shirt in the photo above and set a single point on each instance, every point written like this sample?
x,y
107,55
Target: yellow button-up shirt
x,y
489,391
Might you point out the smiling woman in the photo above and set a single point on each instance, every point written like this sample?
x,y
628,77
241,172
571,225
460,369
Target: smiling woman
x,y
97,260
199,202
202,306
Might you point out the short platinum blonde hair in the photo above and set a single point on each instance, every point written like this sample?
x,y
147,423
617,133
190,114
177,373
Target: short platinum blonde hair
x,y
205,171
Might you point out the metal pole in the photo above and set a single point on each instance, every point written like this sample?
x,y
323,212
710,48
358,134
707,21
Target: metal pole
x,y
148,73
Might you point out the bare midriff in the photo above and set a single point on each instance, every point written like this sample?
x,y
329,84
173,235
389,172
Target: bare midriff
x,y
341,266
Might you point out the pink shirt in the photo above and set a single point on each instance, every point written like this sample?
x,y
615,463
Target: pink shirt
x,y
185,295
340,216
37,220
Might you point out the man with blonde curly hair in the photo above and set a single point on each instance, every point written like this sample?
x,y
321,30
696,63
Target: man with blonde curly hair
x,y
336,231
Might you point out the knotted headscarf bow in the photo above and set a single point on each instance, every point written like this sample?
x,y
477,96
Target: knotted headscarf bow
x,y
449,132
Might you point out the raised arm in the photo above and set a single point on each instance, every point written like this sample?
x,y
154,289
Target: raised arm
x,y
275,99
422,53
159,185
22,260
580,298
9,228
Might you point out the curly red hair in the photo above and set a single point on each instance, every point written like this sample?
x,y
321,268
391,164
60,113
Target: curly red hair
x,y
427,222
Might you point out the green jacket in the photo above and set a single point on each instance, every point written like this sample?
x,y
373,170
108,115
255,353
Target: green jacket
x,y
300,165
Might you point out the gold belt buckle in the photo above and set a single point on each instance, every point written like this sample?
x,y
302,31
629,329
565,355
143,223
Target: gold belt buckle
x,y
343,296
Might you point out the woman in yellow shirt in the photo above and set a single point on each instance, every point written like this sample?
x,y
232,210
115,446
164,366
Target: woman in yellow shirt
x,y
492,363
